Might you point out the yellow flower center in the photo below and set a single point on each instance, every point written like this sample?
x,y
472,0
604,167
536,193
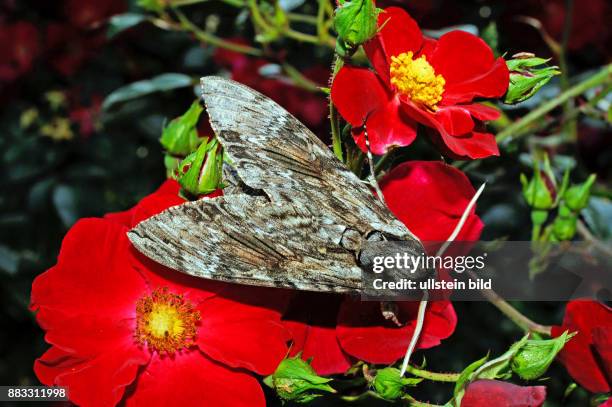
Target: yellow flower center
x,y
417,79
165,322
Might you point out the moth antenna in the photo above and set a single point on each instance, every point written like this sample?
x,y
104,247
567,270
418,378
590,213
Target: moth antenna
x,y
423,303
372,176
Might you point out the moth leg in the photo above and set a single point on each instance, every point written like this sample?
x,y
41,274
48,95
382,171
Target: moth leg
x,y
389,311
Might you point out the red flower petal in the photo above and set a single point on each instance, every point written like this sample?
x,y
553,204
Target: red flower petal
x,y
364,333
356,92
455,120
98,382
93,276
398,33
577,355
388,126
487,393
438,193
242,335
602,342
471,146
191,379
165,196
469,68
482,112
311,321
55,362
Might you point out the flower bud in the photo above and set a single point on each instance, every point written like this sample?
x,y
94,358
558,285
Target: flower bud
x,y
564,226
295,380
180,136
577,196
390,385
538,193
355,21
535,356
526,78
201,172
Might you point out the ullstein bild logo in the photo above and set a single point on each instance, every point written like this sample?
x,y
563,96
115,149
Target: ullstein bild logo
x,y
515,270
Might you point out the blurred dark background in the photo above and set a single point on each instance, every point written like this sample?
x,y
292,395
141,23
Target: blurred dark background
x,y
67,151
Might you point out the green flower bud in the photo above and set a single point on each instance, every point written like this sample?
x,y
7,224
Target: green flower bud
x,y
526,78
295,380
535,356
356,21
201,172
537,192
390,385
564,226
180,136
577,196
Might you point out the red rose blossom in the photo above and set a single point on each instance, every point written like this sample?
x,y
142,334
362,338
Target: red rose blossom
x,y
20,46
85,14
489,393
588,357
125,329
421,80
429,197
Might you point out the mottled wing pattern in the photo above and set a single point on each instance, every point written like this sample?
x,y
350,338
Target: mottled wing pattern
x,y
272,151
294,216
248,240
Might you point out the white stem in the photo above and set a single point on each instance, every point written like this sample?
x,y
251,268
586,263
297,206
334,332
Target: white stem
x,y
423,303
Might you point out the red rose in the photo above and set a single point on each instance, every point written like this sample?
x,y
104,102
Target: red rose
x,y
364,333
587,357
20,46
68,49
123,328
86,14
488,393
429,197
421,80
312,319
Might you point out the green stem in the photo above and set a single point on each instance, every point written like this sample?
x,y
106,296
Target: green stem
x,y
570,125
208,38
300,80
333,114
321,30
515,315
521,127
434,376
383,161
412,402
302,37
302,18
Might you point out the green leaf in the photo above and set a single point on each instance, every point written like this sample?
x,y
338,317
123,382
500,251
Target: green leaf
x,y
163,82
464,379
122,22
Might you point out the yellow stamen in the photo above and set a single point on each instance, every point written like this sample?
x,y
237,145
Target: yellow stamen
x,y
165,321
417,79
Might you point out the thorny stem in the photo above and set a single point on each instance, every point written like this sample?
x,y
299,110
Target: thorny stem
x,y
514,315
521,127
333,113
434,376
206,37
416,403
588,236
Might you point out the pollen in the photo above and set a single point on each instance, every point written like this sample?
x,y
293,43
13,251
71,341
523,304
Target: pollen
x,y
416,79
165,322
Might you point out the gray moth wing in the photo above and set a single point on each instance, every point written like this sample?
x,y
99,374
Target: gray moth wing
x,y
248,240
291,227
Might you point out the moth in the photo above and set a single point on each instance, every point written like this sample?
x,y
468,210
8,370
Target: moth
x,y
293,215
